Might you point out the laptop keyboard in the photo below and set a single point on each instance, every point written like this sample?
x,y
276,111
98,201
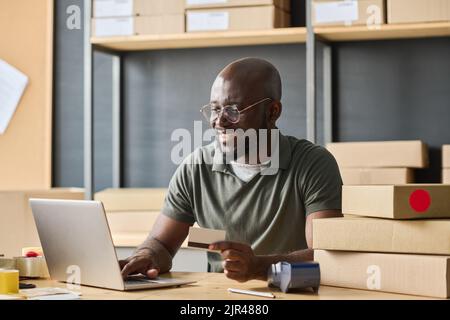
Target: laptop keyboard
x,y
142,280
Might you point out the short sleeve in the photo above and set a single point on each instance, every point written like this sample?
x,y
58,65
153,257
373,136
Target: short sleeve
x,y
178,201
321,182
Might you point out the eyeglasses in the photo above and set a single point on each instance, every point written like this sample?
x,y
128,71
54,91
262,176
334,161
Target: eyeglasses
x,y
231,112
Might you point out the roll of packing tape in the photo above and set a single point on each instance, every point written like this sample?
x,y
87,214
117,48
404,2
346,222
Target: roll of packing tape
x,y
32,267
9,281
7,263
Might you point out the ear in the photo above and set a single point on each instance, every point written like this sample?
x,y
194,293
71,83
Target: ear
x,y
274,112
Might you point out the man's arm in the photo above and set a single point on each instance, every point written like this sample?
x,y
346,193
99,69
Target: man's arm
x,y
155,254
242,265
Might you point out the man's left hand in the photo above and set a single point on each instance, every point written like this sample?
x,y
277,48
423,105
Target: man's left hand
x,y
239,261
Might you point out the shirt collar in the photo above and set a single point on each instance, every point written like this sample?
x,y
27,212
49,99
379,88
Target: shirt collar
x,y
284,155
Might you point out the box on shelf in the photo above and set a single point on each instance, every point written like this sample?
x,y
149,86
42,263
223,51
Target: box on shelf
x,y
17,226
376,154
423,275
145,25
446,156
339,12
198,4
132,199
382,235
369,176
412,201
418,11
126,8
244,18
446,176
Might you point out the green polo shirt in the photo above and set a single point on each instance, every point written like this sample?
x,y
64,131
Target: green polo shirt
x,y
269,211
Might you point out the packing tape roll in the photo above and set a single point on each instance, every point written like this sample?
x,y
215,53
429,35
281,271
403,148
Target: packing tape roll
x,y
9,281
32,267
7,263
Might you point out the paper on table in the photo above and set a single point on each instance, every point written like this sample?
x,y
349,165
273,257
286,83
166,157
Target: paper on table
x,y
12,85
49,294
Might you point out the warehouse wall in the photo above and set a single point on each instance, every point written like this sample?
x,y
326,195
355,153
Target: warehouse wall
x,y
384,90
395,90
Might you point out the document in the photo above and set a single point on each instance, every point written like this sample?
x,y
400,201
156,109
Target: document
x,y
12,85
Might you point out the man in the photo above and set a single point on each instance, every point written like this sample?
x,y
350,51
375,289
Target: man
x,y
267,217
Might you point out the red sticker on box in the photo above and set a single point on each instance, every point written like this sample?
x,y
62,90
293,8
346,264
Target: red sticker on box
x,y
420,200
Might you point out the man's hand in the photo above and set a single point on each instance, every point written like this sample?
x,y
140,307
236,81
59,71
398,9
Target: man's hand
x,y
141,262
239,261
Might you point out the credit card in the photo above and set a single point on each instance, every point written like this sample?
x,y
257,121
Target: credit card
x,y
201,238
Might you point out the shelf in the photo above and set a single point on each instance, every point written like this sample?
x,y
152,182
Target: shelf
x,y
202,40
274,36
386,32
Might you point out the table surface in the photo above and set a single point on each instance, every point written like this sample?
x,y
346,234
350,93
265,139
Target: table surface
x,y
213,286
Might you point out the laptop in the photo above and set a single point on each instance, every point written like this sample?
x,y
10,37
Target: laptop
x,y
78,246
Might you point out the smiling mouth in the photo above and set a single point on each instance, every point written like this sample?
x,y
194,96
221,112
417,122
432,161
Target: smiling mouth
x,y
225,131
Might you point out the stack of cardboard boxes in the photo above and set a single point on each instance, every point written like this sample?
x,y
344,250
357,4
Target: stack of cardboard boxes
x,y
379,162
223,15
137,17
396,239
446,164
17,226
377,12
131,213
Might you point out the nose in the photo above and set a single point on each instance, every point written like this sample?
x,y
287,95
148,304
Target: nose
x,y
222,121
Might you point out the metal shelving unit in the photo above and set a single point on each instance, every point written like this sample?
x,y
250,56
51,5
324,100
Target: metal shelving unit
x,y
314,37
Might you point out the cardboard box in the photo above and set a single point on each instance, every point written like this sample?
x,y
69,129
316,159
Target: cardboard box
x,y
382,235
339,12
412,201
418,11
17,226
130,228
380,154
446,156
131,221
132,199
422,275
198,4
127,8
245,18
129,26
369,176
446,176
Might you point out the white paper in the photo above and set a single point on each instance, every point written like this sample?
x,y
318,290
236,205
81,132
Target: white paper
x,y
207,21
110,27
49,294
113,8
338,11
12,85
203,2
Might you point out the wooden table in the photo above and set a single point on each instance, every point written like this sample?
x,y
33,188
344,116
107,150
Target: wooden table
x,y
213,286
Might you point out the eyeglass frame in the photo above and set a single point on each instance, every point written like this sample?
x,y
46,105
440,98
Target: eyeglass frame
x,y
231,105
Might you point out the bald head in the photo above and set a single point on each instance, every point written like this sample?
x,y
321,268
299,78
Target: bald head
x,y
251,78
